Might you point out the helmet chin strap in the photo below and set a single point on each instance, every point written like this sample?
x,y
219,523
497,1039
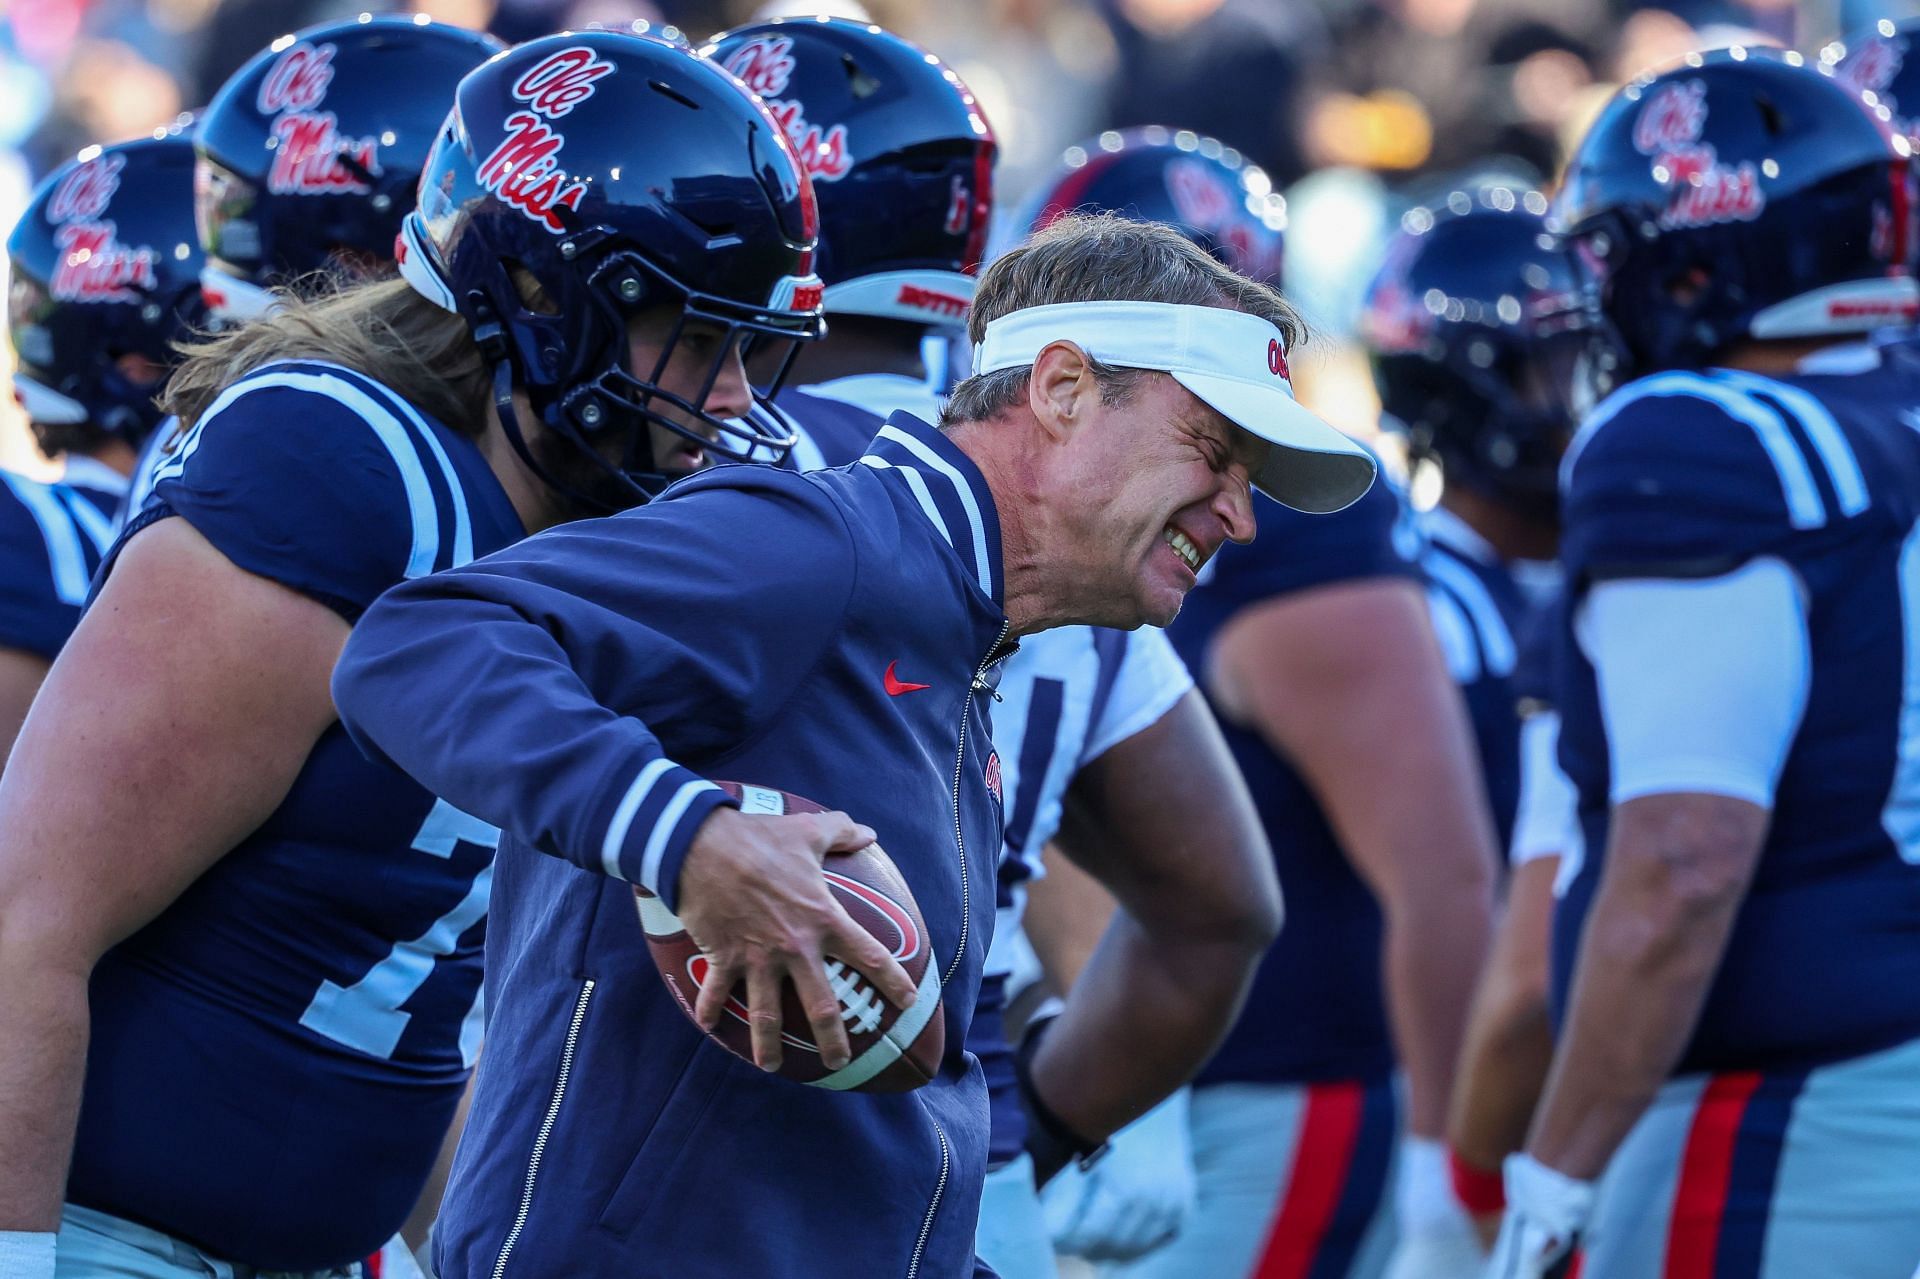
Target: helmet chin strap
x,y
508,415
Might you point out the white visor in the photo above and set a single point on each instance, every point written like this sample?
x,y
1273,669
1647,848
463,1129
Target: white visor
x,y
1233,362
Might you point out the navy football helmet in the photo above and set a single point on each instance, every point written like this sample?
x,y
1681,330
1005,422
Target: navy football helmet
x,y
617,173
900,156
1742,195
1204,189
1883,64
105,277
1476,327
310,153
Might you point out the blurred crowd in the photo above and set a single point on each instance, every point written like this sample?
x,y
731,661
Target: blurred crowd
x,y
1358,109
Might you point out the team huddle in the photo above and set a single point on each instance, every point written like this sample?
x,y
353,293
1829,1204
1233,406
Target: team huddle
x,y
611,690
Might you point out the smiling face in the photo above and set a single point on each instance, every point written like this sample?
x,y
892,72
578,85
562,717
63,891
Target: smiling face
x,y
1149,489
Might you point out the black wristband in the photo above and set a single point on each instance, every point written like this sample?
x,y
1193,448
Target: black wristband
x,y
1051,1141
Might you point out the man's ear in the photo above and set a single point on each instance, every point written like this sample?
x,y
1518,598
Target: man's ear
x,y
1061,389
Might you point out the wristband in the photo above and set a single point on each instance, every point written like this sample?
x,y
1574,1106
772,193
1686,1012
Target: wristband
x,y
26,1254
1050,1139
1481,1191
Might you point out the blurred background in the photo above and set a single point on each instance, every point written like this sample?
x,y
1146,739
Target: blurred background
x,y
1358,109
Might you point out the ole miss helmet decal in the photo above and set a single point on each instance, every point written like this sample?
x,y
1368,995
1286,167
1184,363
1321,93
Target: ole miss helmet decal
x,y
86,192
765,65
93,265
1704,191
525,169
311,156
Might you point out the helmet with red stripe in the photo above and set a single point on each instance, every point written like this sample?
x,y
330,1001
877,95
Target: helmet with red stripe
x,y
1743,195
900,155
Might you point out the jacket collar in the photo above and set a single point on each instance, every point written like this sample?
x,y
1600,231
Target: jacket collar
x,y
949,489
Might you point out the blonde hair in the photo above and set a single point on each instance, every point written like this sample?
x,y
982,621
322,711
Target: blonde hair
x,y
381,328
1103,257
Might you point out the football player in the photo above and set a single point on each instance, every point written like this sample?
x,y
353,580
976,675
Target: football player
x,y
1293,1125
240,961
1737,987
902,223
1474,326
309,156
105,277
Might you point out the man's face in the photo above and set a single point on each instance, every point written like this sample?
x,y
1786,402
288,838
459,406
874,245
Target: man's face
x,y
1159,482
687,368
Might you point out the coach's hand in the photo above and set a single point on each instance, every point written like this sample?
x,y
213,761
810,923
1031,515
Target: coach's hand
x,y
754,901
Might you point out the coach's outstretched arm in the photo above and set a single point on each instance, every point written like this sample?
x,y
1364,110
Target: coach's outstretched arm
x,y
565,654
1164,821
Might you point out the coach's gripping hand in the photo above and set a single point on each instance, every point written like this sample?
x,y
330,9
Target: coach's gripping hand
x,y
754,901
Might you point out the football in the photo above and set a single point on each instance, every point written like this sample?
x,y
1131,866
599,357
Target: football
x,y
893,1051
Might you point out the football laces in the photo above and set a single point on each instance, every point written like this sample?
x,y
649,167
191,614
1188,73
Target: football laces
x,y
860,1006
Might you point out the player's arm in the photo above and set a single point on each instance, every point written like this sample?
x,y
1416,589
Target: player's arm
x,y
1702,685
21,674
493,686
1348,683
1164,823
123,791
1509,1038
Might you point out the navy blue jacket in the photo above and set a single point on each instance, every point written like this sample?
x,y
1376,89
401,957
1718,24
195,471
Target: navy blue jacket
x,y
575,690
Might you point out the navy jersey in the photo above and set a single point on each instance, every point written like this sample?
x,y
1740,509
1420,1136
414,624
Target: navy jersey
x,y
1316,1010
277,1056
1689,475
622,663
1480,613
52,538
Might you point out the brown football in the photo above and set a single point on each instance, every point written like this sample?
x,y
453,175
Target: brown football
x,y
893,1051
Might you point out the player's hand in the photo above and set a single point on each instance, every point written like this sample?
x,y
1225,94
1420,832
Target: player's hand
x,y
754,901
1546,1211
1135,1198
1436,1236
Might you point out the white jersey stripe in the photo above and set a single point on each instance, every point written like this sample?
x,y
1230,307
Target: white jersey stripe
x,y
57,530
406,457
983,567
1496,638
920,492
462,518
97,527
1849,485
1804,507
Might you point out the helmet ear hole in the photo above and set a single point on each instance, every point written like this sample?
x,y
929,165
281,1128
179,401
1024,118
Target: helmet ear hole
x,y
1770,115
532,294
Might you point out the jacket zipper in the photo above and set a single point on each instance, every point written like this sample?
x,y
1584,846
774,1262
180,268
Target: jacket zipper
x,y
939,1189
546,1129
959,767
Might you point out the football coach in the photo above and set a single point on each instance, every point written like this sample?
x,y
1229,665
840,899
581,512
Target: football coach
x,y
833,634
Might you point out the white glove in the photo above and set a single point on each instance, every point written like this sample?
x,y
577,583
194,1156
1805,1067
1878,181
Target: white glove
x,y
1436,1238
1135,1198
1546,1211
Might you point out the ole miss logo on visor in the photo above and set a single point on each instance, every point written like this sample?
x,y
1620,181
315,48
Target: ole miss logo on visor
x,y
1277,360
524,170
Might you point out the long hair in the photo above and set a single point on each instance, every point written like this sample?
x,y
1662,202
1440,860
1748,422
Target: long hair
x,y
381,328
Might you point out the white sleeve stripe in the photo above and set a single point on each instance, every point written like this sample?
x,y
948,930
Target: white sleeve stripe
x,y
1496,638
421,508
920,492
57,530
663,829
1849,485
623,814
1804,507
97,527
983,567
462,519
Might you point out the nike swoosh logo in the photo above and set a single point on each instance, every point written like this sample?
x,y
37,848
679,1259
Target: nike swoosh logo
x,y
896,685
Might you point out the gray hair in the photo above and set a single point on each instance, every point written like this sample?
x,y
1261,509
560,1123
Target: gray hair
x,y
1102,257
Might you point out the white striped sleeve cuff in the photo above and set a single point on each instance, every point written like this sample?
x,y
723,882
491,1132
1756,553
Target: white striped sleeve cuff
x,y
654,822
